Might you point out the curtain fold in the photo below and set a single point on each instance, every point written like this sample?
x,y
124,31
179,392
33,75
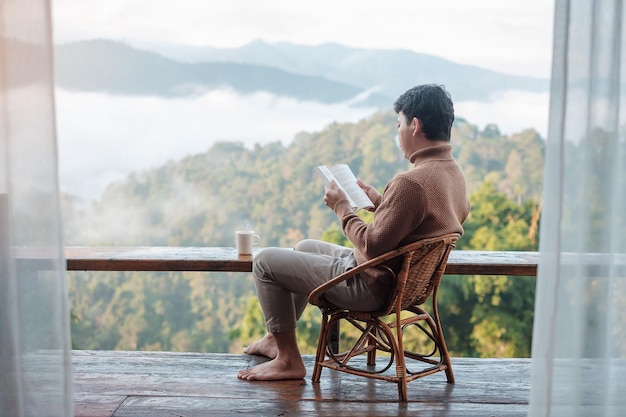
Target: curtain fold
x,y
579,333
35,361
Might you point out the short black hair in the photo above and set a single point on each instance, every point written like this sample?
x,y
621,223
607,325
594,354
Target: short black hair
x,y
432,105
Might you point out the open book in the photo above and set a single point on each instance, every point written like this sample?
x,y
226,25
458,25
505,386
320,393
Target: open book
x,y
345,179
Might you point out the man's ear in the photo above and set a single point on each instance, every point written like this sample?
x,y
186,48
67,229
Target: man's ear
x,y
417,126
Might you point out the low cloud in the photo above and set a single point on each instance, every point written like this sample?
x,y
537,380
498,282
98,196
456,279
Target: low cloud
x,y
513,111
102,138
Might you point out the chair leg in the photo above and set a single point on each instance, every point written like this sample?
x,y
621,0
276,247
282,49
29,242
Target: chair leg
x,y
398,347
443,348
403,393
321,349
371,354
445,357
449,373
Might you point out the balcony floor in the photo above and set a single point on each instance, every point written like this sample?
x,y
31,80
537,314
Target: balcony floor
x,y
124,384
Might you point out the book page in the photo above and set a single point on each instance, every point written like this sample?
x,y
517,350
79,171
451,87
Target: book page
x,y
327,176
346,178
324,173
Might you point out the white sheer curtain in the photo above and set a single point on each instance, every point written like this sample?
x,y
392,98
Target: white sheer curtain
x,y
35,362
579,337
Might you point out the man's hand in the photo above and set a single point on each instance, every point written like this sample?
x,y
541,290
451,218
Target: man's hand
x,y
371,192
333,195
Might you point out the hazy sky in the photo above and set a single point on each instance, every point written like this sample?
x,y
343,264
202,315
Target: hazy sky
x,y
513,36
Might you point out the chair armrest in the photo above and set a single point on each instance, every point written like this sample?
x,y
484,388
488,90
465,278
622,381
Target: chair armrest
x,y
317,293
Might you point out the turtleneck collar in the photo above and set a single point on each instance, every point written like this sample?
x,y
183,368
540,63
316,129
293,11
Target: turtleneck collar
x,y
442,151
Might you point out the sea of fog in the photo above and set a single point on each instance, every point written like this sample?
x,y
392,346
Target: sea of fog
x,y
102,138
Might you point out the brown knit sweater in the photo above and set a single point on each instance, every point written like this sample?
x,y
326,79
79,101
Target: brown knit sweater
x,y
427,201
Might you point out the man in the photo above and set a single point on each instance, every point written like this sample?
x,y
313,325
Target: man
x,y
427,201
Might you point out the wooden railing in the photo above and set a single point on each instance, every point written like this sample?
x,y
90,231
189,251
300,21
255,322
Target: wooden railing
x,y
171,258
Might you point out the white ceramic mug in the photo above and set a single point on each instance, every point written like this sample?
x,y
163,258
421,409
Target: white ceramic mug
x,y
246,240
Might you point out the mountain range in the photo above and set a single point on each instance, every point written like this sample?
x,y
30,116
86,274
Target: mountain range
x,y
327,73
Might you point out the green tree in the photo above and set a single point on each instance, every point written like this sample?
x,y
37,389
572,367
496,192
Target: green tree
x,y
492,316
201,199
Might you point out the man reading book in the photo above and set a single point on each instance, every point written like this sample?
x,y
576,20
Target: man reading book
x,y
428,200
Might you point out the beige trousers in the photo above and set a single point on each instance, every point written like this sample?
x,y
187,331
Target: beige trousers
x,y
285,277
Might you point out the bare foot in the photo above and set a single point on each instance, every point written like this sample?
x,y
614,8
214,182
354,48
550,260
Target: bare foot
x,y
274,370
265,347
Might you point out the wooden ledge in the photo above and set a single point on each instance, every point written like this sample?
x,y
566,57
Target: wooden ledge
x,y
171,258
156,258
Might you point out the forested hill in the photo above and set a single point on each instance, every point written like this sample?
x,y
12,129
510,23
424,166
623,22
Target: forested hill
x,y
203,198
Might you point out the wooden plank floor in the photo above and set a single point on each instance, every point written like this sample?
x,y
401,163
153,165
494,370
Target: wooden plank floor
x,y
124,384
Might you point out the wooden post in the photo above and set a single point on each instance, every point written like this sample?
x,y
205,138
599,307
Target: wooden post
x,y
334,337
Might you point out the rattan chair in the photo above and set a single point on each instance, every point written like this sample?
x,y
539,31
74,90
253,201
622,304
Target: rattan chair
x,y
423,265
